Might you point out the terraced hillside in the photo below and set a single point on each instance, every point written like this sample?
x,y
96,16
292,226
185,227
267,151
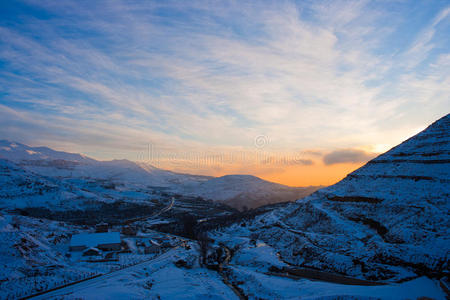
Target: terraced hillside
x,y
388,220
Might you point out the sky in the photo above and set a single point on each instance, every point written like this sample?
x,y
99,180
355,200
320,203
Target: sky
x,y
296,92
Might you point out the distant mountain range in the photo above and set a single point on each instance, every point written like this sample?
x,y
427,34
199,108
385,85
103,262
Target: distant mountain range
x,y
238,191
246,191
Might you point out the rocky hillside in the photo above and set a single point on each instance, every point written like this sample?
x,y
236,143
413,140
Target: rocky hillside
x,y
388,220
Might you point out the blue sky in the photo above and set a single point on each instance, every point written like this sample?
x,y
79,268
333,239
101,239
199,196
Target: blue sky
x,y
107,77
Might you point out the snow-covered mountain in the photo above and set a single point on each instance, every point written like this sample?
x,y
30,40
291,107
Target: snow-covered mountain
x,y
21,188
48,162
55,180
387,220
238,191
245,191
19,152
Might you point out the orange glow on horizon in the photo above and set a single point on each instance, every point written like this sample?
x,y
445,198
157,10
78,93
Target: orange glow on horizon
x,y
295,176
313,175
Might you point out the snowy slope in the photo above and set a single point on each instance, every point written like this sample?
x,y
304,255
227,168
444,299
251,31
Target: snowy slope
x,y
387,220
18,152
48,162
21,188
241,191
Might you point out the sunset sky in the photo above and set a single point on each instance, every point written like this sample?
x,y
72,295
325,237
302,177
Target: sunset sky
x,y
296,92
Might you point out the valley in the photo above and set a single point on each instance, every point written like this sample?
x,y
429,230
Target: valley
x,y
382,232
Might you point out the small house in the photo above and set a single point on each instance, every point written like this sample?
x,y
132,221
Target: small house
x,y
106,241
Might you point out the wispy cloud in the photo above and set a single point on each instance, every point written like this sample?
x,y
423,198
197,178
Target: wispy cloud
x,y
214,75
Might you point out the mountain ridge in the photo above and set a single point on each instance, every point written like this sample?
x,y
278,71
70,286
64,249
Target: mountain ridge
x,y
238,191
387,220
246,191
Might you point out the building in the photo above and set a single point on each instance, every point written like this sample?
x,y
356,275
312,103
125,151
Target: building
x,y
106,241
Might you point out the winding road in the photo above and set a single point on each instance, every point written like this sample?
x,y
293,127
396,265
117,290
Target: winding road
x,y
163,210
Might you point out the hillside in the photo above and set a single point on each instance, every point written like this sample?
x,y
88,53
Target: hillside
x,y
238,191
19,152
388,220
48,162
245,191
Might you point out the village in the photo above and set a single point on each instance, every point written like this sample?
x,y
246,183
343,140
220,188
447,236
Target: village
x,y
106,243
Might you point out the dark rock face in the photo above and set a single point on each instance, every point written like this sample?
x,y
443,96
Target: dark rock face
x,y
387,220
